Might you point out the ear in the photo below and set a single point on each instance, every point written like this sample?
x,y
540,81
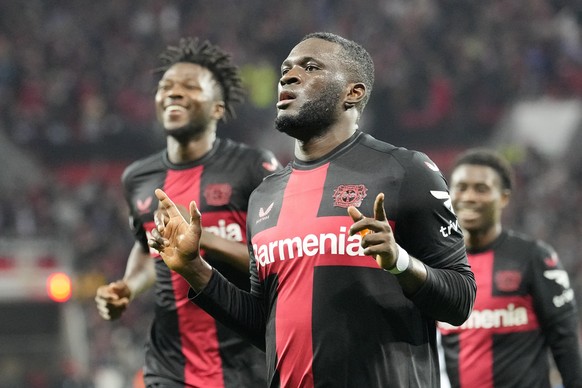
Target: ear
x,y
505,196
355,94
218,111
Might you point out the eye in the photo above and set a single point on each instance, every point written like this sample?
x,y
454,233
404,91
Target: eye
x,y
482,189
191,86
164,86
310,67
284,71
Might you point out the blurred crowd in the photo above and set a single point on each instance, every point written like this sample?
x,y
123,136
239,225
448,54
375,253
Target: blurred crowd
x,y
76,97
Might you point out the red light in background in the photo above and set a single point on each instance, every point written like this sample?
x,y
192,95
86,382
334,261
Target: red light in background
x,y
59,287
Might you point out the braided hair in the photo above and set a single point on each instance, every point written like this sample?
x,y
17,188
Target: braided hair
x,y
213,58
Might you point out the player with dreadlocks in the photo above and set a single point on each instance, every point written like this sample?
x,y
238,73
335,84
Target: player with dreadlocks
x,y
186,347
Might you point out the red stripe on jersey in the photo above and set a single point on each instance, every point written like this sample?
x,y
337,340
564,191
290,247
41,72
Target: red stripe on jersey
x,y
295,347
492,315
197,329
483,353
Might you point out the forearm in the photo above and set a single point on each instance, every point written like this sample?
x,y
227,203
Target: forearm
x,y
447,295
197,273
565,344
233,307
140,272
413,278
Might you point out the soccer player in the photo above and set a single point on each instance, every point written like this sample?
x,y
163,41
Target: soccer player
x,y
524,307
186,346
355,248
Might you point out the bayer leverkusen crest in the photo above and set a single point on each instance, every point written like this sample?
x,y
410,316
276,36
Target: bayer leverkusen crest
x,y
507,281
349,195
218,194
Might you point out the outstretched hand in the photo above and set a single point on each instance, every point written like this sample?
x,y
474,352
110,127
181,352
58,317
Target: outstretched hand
x,y
377,237
177,240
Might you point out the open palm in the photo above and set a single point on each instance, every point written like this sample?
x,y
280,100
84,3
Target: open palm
x,y
177,240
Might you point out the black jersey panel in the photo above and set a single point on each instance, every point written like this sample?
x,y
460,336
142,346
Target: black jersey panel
x,y
242,365
352,303
527,349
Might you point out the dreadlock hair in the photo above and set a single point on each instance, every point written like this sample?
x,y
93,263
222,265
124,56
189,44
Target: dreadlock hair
x,y
213,58
489,158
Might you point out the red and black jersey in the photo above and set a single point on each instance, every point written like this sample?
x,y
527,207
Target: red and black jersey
x,y
186,346
328,315
524,308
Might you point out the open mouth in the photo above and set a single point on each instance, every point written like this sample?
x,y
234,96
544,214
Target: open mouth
x,y
174,108
285,99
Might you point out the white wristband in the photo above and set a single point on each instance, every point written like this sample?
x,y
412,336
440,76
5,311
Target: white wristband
x,y
402,263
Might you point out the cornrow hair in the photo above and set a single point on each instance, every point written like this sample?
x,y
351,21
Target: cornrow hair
x,y
212,57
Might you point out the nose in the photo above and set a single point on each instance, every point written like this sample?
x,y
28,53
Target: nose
x,y
290,77
175,91
466,195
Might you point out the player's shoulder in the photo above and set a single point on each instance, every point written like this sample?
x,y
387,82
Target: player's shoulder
x,y
402,155
244,150
227,144
527,243
142,165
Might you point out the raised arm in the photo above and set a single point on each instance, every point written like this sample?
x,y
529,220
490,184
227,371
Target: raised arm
x,y
178,242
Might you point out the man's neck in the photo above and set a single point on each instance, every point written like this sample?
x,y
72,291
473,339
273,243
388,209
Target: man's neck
x,y
180,152
320,146
482,239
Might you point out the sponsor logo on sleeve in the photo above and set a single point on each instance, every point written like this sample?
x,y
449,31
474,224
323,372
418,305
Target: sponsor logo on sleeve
x,y
561,277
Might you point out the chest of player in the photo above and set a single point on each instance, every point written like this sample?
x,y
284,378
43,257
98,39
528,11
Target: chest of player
x,y
222,202
301,220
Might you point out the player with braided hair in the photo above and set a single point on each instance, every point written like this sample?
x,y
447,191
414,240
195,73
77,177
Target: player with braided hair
x,y
218,62
186,347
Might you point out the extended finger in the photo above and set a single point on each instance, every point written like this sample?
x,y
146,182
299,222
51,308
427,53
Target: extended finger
x,y
379,211
167,204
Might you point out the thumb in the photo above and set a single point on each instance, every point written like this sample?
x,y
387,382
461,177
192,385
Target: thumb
x,y
120,289
195,216
379,211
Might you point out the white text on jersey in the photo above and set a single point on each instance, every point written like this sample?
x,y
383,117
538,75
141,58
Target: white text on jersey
x,y
232,232
310,245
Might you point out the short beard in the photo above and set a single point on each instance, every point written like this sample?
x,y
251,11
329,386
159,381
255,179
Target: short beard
x,y
313,119
186,133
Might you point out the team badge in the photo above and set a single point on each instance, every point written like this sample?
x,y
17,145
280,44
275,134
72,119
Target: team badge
x,y
507,281
218,194
349,195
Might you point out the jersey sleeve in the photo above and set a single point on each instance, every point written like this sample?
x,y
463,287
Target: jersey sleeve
x,y
427,228
237,309
556,310
135,224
